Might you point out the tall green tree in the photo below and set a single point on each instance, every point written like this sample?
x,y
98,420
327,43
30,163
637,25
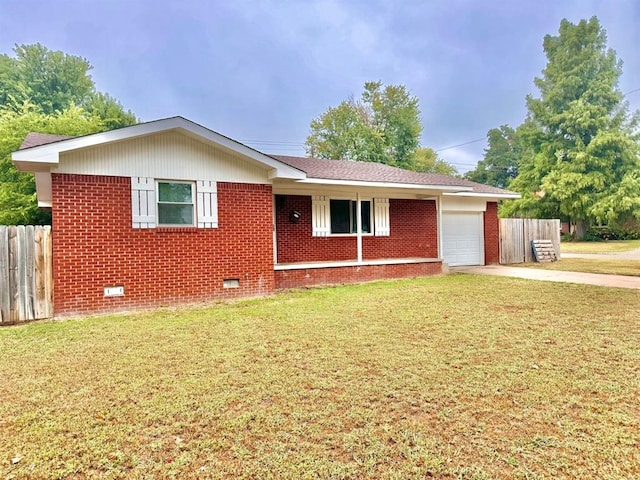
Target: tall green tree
x,y
47,92
581,160
382,126
18,203
500,163
53,81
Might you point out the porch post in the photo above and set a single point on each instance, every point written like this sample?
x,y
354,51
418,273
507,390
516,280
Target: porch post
x,y
359,226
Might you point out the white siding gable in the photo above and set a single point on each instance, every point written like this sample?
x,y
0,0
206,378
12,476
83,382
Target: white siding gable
x,y
168,155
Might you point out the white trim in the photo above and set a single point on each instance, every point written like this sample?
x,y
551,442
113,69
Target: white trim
x,y
483,195
357,183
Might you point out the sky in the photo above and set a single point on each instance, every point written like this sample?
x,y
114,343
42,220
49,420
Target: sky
x,y
260,71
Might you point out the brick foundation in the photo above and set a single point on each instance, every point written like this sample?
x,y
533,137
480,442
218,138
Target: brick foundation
x,y
307,277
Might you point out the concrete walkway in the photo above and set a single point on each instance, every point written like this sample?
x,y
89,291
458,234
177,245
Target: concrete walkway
x,y
620,281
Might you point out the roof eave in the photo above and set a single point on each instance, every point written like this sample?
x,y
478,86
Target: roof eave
x,y
499,196
412,186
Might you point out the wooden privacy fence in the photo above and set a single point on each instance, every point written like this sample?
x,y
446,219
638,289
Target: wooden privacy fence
x,y
516,235
26,273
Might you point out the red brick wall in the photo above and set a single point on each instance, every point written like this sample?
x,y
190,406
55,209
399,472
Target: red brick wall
x,y
413,234
491,234
363,273
295,241
94,246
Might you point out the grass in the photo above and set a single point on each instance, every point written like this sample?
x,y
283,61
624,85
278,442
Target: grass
x,y
460,377
589,265
610,246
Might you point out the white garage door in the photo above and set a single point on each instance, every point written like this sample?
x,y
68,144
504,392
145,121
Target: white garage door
x,y
462,238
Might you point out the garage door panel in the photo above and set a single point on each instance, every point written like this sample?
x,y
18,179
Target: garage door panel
x,y
462,238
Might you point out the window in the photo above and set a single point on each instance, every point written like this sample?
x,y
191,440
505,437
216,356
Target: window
x,y
175,203
344,214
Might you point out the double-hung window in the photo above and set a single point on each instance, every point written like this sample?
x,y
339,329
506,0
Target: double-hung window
x,y
175,203
344,214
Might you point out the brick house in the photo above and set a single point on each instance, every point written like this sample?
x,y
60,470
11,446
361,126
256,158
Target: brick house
x,y
170,212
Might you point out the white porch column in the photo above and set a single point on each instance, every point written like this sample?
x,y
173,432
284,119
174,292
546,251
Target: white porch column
x,y
359,226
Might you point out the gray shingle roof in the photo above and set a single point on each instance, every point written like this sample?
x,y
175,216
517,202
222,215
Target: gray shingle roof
x,y
378,172
36,139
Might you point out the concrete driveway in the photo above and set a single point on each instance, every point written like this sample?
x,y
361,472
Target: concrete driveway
x,y
620,281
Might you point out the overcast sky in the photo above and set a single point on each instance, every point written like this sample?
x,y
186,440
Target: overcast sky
x,y
260,71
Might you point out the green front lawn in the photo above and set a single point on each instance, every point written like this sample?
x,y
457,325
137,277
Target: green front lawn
x,y
462,376
610,246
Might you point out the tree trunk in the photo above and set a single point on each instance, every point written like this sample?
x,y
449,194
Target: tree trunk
x,y
580,228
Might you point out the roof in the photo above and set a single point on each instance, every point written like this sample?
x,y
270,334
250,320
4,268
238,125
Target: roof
x,y
39,153
378,172
37,139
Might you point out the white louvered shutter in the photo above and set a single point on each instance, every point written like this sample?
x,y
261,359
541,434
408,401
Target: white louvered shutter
x,y
143,202
207,203
381,214
320,216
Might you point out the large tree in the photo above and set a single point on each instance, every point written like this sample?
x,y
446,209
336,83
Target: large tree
x,y
48,92
500,163
53,81
382,126
581,160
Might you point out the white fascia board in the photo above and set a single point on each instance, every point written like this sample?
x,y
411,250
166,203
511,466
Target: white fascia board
x,y
35,158
412,186
496,196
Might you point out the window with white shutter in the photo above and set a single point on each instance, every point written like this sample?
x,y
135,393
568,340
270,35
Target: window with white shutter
x,y
207,203
320,216
173,203
381,216
143,202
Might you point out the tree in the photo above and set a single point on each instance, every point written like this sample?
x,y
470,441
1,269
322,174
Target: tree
x,y
427,160
47,92
581,159
383,126
52,81
501,158
18,203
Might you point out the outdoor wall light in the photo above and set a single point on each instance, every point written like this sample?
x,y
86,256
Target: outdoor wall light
x,y
294,216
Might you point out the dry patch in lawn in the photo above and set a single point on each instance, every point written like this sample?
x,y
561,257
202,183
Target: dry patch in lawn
x,y
463,376
588,265
610,246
